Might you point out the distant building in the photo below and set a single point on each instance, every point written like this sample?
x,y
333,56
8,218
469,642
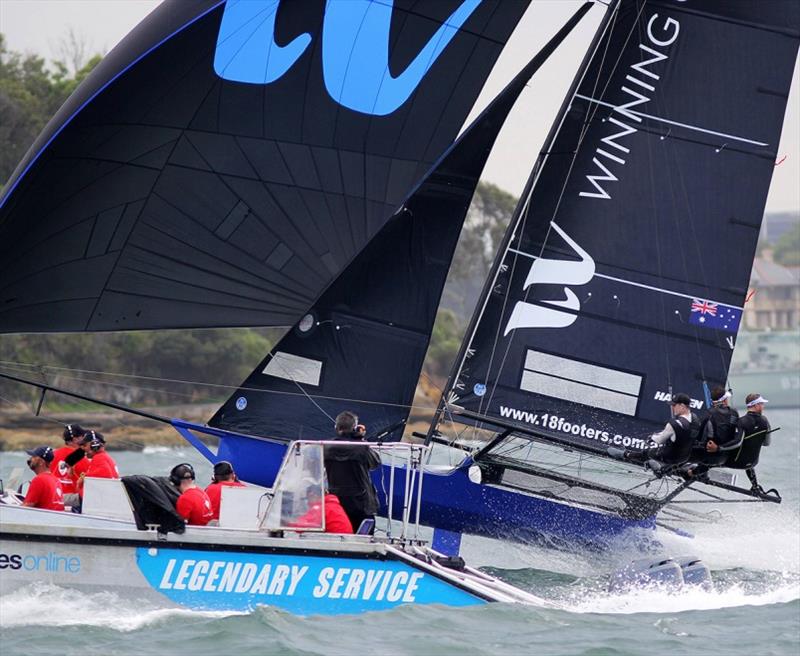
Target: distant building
x,y
776,224
775,303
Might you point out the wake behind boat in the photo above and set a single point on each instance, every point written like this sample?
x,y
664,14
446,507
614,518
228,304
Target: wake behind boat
x,y
270,548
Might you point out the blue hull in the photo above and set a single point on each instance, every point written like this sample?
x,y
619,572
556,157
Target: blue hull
x,y
450,500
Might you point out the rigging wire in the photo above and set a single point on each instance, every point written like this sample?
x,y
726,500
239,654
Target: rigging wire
x,y
656,209
8,364
112,417
300,387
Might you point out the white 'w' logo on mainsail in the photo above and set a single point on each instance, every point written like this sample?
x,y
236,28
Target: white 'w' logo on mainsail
x,y
553,272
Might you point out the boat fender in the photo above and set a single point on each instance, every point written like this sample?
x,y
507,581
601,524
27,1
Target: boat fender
x,y
451,562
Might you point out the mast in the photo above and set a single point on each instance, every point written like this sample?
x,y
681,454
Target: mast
x,y
519,212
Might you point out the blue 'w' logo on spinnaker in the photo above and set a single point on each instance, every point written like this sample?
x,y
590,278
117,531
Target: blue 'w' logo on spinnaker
x,y
355,50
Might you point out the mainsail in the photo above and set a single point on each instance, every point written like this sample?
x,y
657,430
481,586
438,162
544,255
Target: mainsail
x,y
623,274
361,346
224,163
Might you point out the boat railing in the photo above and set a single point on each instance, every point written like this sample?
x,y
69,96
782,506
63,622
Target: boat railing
x,y
298,495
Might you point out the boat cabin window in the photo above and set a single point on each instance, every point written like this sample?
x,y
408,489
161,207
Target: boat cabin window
x,y
299,491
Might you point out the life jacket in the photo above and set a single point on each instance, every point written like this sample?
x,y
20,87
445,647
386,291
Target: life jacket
x,y
754,427
677,452
725,421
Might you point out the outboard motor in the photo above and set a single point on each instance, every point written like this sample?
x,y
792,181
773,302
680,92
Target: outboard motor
x,y
642,573
696,572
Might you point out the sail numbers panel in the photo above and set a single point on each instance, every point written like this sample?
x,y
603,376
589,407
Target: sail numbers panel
x,y
589,384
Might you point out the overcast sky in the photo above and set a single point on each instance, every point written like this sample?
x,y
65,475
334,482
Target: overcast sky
x,y
38,26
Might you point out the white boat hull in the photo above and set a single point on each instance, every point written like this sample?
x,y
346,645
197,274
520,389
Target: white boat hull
x,y
222,569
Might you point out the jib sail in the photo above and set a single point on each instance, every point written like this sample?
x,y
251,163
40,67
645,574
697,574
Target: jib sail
x,y
624,272
361,346
227,160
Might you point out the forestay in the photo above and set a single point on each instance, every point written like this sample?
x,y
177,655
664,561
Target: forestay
x,y
623,275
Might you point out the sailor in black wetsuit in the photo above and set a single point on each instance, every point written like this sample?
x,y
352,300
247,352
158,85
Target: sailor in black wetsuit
x,y
673,444
347,468
754,432
719,436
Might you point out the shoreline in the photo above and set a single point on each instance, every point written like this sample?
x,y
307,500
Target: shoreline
x,y
20,430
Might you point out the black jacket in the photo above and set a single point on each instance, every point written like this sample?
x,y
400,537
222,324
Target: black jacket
x,y
153,499
721,426
347,468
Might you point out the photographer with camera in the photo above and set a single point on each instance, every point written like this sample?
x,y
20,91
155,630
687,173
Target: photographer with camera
x,y
347,468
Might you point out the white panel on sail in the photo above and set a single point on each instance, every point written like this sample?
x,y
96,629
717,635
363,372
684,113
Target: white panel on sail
x,y
579,382
295,368
583,372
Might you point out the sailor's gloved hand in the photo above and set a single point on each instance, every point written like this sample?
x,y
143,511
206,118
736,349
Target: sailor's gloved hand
x,y
712,447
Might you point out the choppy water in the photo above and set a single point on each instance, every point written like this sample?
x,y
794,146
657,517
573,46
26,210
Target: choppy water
x,y
754,554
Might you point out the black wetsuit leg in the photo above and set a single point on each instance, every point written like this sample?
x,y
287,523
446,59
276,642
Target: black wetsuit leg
x,y
751,474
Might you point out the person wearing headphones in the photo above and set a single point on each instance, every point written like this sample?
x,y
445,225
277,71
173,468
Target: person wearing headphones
x,y
101,465
193,503
224,476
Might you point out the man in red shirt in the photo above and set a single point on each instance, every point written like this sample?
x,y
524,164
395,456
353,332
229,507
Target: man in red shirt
x,y
45,490
193,504
101,465
73,434
224,476
336,519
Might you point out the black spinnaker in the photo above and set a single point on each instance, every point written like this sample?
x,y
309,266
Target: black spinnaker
x,y
623,275
224,163
362,345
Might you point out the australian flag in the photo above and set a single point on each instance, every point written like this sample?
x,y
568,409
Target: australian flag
x,y
715,315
